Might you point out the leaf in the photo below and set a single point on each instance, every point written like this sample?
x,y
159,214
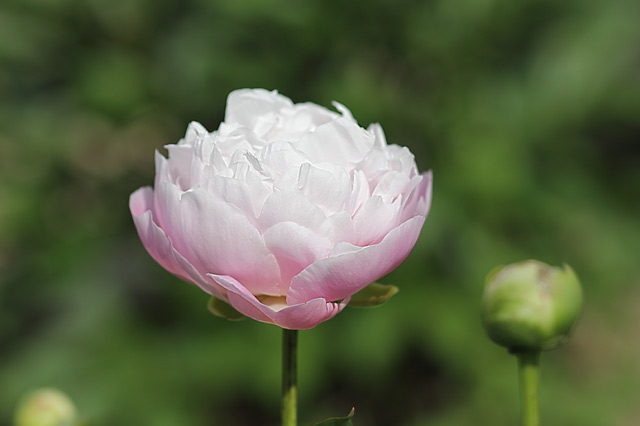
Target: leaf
x,y
222,309
338,421
375,294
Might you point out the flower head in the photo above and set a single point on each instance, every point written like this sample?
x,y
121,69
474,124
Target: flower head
x,y
285,211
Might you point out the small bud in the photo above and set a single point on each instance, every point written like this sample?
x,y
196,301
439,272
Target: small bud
x,y
46,407
530,305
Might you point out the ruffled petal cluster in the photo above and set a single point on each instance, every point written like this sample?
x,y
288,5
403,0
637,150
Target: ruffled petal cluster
x,y
285,211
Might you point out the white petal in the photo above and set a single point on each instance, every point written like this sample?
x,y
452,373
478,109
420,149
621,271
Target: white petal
x,y
322,188
375,219
247,195
179,163
195,131
339,142
360,192
244,106
279,157
391,185
343,110
339,227
291,206
380,139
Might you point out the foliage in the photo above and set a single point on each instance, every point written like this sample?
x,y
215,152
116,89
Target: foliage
x,y
526,112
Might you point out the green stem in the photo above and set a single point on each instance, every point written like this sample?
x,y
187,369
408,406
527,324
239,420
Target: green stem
x,y
289,377
529,372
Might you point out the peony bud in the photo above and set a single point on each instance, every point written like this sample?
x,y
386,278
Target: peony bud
x,y
530,305
46,407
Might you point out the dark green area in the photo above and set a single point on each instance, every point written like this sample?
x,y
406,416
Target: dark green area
x,y
527,112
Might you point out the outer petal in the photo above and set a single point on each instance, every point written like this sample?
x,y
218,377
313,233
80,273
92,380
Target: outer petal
x,y
217,238
297,317
339,276
159,246
307,315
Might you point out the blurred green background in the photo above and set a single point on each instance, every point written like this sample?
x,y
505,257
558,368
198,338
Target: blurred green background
x,y
527,112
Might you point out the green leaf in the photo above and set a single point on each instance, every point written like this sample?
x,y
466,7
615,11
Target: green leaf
x,y
338,421
375,294
222,309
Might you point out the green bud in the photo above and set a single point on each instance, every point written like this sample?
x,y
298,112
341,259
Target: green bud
x,y
46,407
530,305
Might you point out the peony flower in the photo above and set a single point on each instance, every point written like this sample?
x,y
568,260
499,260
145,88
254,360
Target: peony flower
x,y
285,211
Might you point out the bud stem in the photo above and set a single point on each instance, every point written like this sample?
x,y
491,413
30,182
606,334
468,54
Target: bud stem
x,y
289,377
529,372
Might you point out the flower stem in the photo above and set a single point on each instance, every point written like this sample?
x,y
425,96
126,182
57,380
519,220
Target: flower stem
x,y
529,372
289,377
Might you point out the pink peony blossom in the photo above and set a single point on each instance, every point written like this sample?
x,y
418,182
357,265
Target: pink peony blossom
x,y
285,211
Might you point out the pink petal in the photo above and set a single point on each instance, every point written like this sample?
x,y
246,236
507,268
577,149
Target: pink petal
x,y
141,201
309,314
295,247
216,238
418,201
297,317
159,246
242,299
340,276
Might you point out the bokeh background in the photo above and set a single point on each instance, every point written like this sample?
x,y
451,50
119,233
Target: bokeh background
x,y
527,112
